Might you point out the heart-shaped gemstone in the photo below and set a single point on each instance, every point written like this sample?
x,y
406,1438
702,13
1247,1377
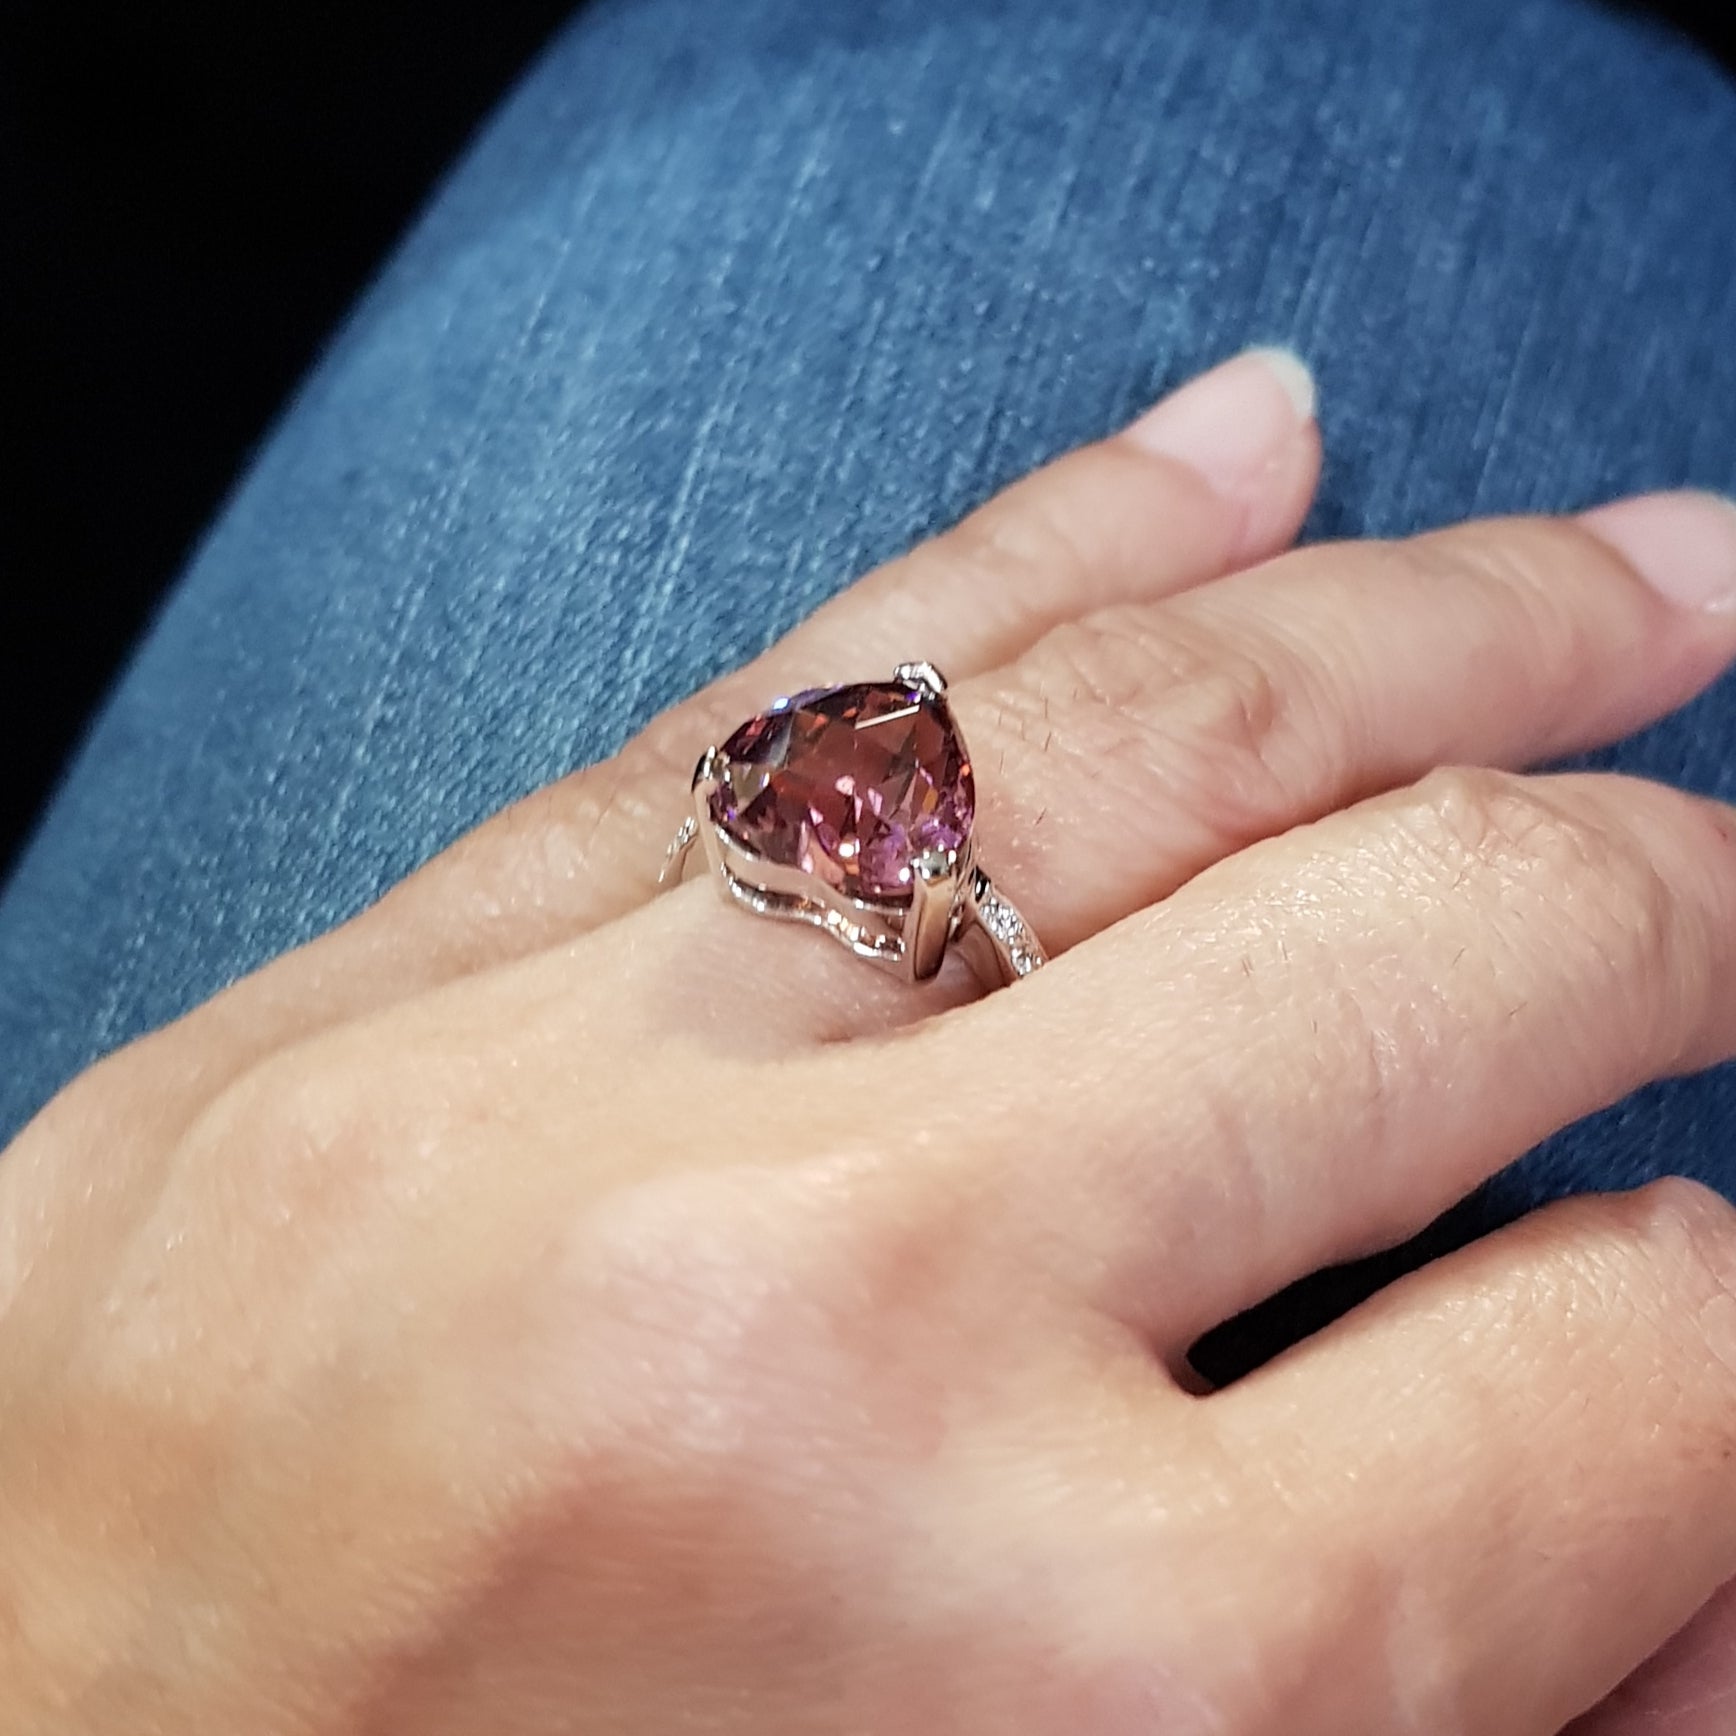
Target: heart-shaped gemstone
x,y
849,784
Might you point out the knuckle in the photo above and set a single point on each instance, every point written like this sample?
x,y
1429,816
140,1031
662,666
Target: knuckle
x,y
1125,660
671,744
1686,1235
1656,1267
1540,634
649,777
287,1163
770,1298
1024,539
1167,701
642,790
1517,564
687,1280
1481,816
325,1130
735,1317
1537,847
737,1390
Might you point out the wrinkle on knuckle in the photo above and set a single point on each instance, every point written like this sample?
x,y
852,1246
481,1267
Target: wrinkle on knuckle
x,y
1163,701
1528,848
289,1169
1519,555
1687,1234
556,838
1641,1293
1535,628
1522,558
325,1133
658,765
1479,817
761,1305
1130,658
1025,541
553,833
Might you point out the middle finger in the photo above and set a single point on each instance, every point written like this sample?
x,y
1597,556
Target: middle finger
x,y
1133,748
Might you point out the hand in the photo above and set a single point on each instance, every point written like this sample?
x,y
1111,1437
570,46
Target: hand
x,y
538,1307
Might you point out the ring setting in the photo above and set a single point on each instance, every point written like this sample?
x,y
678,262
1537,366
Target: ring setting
x,y
851,808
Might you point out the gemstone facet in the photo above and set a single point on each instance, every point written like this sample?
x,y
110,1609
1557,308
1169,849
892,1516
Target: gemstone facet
x,y
849,784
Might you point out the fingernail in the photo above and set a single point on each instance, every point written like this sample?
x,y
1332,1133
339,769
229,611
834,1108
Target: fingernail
x,y
1234,423
1683,544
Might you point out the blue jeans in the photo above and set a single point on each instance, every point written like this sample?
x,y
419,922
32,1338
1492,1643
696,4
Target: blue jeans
x,y
734,301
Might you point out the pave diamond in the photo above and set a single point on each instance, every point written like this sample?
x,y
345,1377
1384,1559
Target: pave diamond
x,y
1011,930
849,784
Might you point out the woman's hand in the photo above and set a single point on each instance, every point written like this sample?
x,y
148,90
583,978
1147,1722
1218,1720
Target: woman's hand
x,y
541,1307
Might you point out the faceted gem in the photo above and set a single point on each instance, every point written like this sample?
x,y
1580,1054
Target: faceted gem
x,y
849,784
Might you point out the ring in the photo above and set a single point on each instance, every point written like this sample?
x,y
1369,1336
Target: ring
x,y
850,808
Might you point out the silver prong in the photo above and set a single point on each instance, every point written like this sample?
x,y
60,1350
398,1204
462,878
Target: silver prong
x,y
675,863
707,775
923,675
933,885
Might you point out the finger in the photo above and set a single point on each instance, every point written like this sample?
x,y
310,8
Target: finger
x,y
1318,1045
1220,473
1512,1469
1688,1688
1132,748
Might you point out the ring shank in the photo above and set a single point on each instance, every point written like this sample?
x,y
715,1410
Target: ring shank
x,y
994,938
987,929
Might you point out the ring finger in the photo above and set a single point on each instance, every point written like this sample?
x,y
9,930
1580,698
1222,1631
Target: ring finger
x,y
1130,749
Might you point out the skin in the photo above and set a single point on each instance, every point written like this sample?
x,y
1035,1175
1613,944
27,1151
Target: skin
x,y
539,1307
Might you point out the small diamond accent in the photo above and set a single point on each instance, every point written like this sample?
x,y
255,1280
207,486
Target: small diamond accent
x,y
1011,930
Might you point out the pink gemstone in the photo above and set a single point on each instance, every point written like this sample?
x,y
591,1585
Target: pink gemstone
x,y
849,784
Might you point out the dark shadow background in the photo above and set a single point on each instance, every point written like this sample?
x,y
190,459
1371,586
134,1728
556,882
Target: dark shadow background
x,y
189,198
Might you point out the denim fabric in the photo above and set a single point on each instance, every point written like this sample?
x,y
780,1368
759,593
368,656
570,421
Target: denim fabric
x,y
733,301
